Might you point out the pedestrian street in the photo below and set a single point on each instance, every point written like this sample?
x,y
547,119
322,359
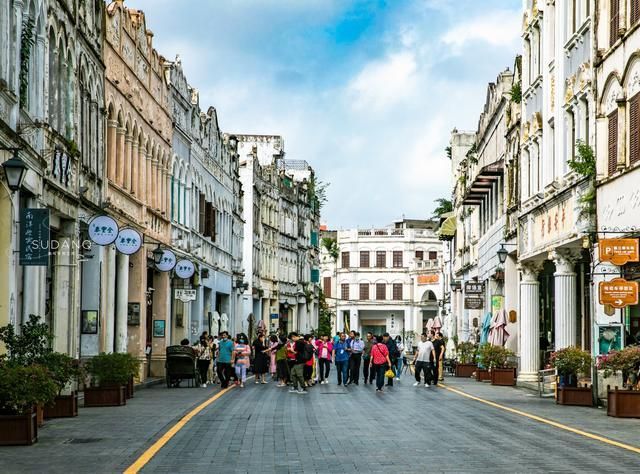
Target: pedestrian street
x,y
263,428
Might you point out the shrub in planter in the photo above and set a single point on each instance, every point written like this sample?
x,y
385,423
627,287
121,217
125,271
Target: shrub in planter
x,y
21,389
569,363
64,370
110,374
497,360
465,358
623,403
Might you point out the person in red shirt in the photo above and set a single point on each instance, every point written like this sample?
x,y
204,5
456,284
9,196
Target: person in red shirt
x,y
381,362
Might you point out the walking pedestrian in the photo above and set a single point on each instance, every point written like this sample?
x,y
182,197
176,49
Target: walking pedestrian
x,y
355,358
324,348
282,367
260,359
211,373
225,356
438,346
400,359
422,360
367,367
309,356
241,351
201,349
291,354
393,354
440,355
297,374
273,347
341,358
381,362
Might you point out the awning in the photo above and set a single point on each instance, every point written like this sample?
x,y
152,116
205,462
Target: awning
x,y
482,183
448,228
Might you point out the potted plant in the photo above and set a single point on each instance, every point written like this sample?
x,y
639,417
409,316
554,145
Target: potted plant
x,y
569,363
21,390
110,375
465,359
497,360
482,371
623,403
64,370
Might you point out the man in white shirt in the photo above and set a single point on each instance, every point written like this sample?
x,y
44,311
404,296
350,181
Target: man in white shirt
x,y
422,360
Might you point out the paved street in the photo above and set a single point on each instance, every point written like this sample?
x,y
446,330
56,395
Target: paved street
x,y
337,429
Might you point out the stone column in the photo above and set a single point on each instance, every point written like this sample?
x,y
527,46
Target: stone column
x,y
110,306
122,298
565,318
120,151
112,126
135,159
622,124
128,147
529,322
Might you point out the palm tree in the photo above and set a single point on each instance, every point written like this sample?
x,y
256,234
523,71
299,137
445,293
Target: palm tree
x,y
444,206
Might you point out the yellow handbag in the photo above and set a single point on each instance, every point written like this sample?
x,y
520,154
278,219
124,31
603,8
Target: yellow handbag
x,y
389,374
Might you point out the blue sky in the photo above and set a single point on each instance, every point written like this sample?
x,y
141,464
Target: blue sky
x,y
366,91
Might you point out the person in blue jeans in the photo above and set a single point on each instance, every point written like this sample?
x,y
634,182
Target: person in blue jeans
x,y
341,358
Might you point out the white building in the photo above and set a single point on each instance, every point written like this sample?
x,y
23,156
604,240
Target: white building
x,y
386,280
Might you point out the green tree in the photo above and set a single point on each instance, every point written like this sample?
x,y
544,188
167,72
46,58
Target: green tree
x,y
331,245
444,206
324,317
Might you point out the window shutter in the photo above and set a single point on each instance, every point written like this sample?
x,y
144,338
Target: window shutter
x,y
381,290
634,128
635,12
326,286
614,21
201,211
345,291
613,143
213,226
364,291
207,219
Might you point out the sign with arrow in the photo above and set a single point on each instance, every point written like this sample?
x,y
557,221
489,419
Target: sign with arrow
x,y
618,292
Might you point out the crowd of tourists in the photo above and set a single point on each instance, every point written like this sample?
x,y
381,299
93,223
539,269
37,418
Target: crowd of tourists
x,y
302,361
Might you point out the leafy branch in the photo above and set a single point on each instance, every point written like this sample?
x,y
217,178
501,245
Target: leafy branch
x,y
331,245
584,163
516,92
444,206
26,44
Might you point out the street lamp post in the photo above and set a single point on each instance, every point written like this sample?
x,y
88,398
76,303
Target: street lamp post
x,y
14,170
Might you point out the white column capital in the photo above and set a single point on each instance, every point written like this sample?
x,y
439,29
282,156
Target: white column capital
x,y
530,271
564,261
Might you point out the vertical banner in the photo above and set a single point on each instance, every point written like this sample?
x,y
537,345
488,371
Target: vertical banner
x,y
34,237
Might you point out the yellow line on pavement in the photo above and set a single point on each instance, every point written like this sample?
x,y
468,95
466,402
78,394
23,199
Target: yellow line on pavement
x,y
164,439
555,424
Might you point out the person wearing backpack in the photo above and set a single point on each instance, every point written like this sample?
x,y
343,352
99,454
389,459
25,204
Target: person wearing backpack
x,y
297,373
309,353
341,358
393,354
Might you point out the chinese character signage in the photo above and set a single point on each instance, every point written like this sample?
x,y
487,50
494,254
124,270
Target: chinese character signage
x,y
185,269
167,261
103,230
618,251
474,288
618,292
128,241
427,279
473,302
34,237
61,167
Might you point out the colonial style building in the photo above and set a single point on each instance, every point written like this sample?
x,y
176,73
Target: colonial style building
x,y
281,236
386,279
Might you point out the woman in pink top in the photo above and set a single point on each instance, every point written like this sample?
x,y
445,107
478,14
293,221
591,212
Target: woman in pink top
x,y
241,352
324,347
381,361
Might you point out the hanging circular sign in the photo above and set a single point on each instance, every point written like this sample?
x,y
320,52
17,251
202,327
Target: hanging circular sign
x,y
129,241
185,269
103,230
167,262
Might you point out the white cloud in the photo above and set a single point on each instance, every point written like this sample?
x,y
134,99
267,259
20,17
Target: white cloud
x,y
497,28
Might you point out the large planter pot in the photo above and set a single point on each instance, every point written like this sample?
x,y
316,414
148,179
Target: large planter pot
x,y
18,430
623,403
578,396
105,396
482,375
40,415
465,370
64,406
567,381
129,389
503,377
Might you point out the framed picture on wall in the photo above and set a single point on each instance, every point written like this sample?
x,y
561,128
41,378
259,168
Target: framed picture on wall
x,y
609,338
89,322
158,327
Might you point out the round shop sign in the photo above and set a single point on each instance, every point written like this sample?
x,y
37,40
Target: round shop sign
x,y
129,241
167,262
185,269
103,230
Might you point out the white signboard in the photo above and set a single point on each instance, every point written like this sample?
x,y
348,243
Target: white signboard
x,y
185,295
129,241
185,269
103,230
167,261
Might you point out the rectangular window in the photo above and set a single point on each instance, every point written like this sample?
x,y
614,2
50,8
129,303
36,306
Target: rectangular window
x,y
419,254
364,259
634,14
345,260
207,219
381,259
397,291
614,21
326,286
397,259
381,290
612,155
201,213
634,129
433,255
364,291
344,291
